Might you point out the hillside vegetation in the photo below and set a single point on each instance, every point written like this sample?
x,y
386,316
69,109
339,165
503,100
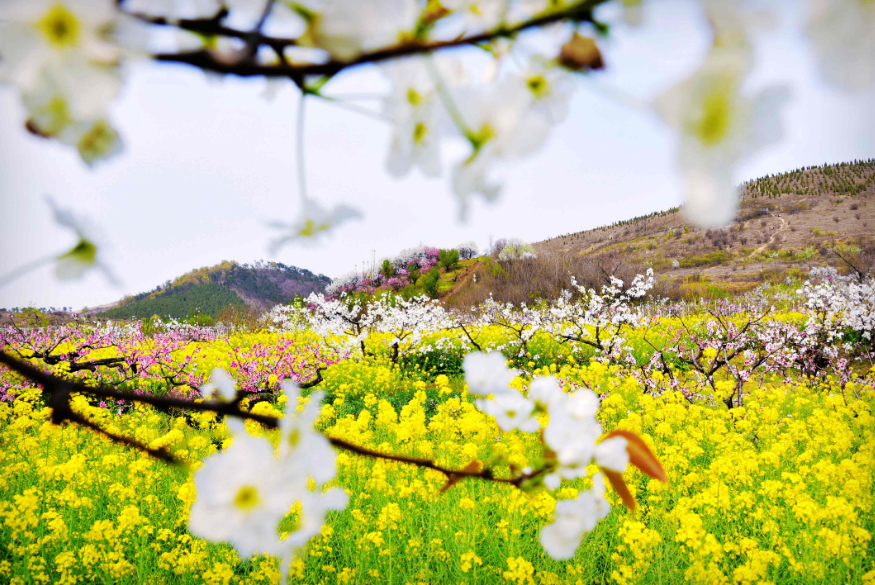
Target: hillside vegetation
x,y
787,224
216,289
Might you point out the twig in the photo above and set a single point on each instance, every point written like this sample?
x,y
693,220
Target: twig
x,y
53,385
60,391
452,474
204,59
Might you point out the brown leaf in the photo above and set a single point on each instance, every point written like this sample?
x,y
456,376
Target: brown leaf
x,y
32,127
620,487
453,479
640,454
434,11
581,54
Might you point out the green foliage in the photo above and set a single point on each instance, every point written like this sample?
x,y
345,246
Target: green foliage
x,y
413,273
387,270
206,299
712,259
431,282
448,259
434,363
807,254
496,270
198,318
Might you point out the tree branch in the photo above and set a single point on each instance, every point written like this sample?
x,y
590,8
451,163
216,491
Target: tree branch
x,y
60,392
204,59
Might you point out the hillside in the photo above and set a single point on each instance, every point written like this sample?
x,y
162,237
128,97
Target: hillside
x,y
787,224
788,221
212,290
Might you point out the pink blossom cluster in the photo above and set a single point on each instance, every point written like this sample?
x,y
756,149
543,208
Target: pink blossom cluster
x,y
423,257
175,359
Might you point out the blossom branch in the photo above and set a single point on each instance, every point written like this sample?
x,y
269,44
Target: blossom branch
x,y
453,475
60,391
213,27
54,385
204,59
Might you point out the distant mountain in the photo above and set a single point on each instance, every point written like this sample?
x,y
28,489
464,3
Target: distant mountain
x,y
210,290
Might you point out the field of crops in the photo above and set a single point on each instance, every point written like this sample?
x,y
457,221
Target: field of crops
x,y
760,416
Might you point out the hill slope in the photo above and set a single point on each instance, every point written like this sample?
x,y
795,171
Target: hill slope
x,y
784,221
209,290
786,224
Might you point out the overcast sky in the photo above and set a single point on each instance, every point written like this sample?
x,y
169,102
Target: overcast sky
x,y
207,164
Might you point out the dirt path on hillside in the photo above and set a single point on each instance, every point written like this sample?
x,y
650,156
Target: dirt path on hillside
x,y
463,279
771,239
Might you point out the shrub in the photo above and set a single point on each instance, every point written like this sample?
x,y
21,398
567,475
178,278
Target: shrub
x,y
712,259
413,272
387,270
516,249
430,282
448,259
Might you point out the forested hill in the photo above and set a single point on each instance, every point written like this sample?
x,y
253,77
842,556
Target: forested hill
x,y
212,290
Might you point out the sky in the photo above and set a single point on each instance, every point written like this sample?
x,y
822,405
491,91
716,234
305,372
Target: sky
x,y
208,164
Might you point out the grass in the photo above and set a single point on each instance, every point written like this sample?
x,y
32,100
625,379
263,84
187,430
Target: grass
x,y
710,259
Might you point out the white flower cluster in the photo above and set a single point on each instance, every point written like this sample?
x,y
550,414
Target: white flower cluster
x,y
244,492
516,249
348,321
60,56
347,280
840,305
468,250
580,316
598,319
572,434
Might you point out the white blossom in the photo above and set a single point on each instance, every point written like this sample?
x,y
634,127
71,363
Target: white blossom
x,y
222,383
843,34
85,255
313,221
59,56
35,33
549,88
309,521
612,454
241,497
303,451
478,14
416,112
348,28
573,439
718,126
573,518
487,373
174,10
546,394
499,126
511,410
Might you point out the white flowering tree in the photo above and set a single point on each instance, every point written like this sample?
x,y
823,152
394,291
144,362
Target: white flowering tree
x,y
585,317
516,249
